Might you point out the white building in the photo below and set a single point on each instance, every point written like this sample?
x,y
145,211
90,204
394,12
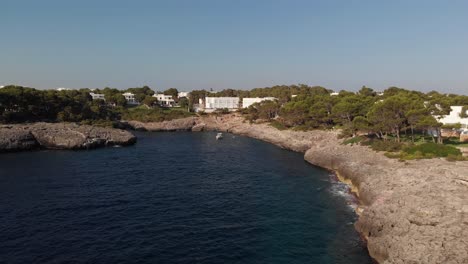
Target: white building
x,y
454,117
246,102
63,89
97,96
165,100
130,97
213,103
334,94
183,94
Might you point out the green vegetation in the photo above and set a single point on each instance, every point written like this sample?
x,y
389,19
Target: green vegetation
x,y
145,114
22,104
353,140
430,150
398,121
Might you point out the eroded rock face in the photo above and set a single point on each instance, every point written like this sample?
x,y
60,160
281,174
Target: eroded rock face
x,y
60,136
14,138
411,212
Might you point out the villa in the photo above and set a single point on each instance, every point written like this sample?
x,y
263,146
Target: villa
x,y
63,89
165,100
130,97
246,102
183,94
212,103
454,117
97,96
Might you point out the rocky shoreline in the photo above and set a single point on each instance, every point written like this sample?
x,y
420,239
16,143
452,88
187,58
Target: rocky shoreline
x,y
19,137
410,212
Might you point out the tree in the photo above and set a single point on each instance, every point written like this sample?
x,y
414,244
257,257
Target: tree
x,y
365,91
150,101
183,102
116,99
387,116
140,92
361,123
172,91
349,107
430,124
414,117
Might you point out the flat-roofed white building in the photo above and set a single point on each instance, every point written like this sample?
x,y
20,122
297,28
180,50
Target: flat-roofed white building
x,y
64,89
454,117
130,97
183,94
246,102
96,96
164,100
213,103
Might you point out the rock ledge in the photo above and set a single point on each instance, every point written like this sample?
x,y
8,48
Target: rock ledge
x,y
60,136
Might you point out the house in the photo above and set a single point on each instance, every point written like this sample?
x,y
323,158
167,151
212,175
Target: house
x,y
454,117
334,94
183,94
63,89
96,96
210,104
165,100
246,102
130,97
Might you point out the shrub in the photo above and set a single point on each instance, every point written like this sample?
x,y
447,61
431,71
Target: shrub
x,y
430,150
154,114
451,157
393,155
390,146
278,125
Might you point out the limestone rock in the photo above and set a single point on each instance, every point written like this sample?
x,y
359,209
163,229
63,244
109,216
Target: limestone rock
x,y
172,125
14,138
60,136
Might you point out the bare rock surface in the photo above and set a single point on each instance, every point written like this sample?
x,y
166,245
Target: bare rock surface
x,y
410,212
13,138
173,125
60,136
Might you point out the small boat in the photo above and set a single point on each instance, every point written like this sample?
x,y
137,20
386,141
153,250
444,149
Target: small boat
x,y
219,136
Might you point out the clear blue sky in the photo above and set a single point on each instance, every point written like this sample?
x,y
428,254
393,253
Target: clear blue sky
x,y
196,44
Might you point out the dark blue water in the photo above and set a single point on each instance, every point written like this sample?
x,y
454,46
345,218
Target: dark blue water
x,y
173,198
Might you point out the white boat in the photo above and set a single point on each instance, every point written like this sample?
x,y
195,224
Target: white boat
x,y
219,136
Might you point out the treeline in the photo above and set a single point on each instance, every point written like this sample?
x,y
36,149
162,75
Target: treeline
x,y
394,112
23,104
282,92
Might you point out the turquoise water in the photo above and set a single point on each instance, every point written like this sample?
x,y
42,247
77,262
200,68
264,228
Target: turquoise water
x,y
174,198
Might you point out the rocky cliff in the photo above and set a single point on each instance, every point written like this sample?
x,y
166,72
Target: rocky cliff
x,y
410,212
60,136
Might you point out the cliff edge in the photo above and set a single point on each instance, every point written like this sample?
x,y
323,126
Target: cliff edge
x,y
60,136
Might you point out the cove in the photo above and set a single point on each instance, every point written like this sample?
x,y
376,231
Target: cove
x,y
174,198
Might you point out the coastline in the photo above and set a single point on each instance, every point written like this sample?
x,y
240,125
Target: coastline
x,y
20,137
409,212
